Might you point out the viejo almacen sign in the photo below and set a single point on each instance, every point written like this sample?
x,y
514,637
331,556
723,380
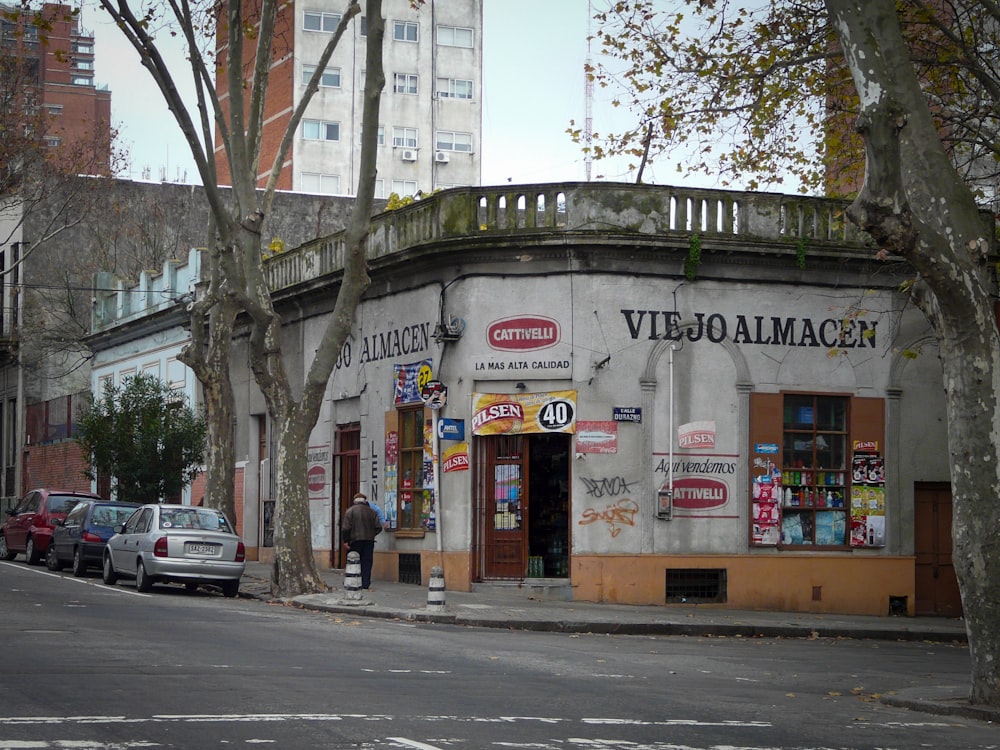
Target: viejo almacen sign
x,y
853,333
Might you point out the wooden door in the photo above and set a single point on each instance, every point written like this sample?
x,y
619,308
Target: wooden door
x,y
501,507
936,587
347,454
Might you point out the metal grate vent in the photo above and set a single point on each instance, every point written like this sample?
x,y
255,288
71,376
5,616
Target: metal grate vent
x,y
696,585
409,569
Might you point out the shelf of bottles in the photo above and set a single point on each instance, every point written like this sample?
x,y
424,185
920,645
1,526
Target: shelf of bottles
x,y
815,493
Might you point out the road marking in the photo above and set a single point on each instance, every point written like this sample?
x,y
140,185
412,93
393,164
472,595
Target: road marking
x,y
98,585
413,743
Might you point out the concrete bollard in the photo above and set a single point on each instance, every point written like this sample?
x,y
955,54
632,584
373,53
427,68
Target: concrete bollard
x,y
435,590
352,576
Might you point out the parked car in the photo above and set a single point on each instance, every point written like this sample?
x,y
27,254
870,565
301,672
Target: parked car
x,y
176,544
81,537
29,524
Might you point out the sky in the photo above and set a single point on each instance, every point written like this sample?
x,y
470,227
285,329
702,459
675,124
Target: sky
x,y
533,60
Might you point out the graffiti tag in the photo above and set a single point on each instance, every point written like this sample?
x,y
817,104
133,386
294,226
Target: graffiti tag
x,y
616,516
607,487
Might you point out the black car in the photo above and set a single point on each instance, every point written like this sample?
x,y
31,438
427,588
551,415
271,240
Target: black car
x,y
81,537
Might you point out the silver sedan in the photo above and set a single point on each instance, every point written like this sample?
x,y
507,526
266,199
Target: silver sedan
x,y
176,544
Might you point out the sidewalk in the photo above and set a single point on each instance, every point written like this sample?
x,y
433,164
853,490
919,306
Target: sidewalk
x,y
510,607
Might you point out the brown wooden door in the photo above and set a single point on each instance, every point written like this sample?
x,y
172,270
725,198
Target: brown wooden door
x,y
347,454
501,507
936,586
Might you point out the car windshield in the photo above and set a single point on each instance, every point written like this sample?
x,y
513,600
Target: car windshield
x,y
110,516
193,518
60,503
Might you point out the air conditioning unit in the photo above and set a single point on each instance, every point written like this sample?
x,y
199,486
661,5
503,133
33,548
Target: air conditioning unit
x,y
441,157
409,154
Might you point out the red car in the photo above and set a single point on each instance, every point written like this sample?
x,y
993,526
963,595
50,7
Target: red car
x,y
28,528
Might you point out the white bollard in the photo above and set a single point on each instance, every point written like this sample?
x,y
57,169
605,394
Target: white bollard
x,y
435,590
352,576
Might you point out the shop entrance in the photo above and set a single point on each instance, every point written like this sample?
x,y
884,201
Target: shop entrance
x,y
936,587
347,458
522,506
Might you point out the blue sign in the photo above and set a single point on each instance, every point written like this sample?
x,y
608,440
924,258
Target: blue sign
x,y
451,429
627,413
765,448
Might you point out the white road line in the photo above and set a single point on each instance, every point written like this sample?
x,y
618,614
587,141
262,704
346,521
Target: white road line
x,y
413,743
86,582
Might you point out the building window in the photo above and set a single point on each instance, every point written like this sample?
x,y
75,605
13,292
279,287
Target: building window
x,y
320,130
446,140
53,141
454,36
402,188
404,83
454,88
83,48
380,188
404,137
814,487
404,31
83,64
320,184
329,79
315,21
411,468
82,81
54,109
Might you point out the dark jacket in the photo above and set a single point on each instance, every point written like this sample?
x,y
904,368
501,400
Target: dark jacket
x,y
360,523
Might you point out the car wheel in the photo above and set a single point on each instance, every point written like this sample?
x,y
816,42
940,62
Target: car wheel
x,y
51,561
5,554
31,552
108,571
143,582
230,589
79,566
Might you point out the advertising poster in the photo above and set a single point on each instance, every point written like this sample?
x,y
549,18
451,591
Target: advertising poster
x,y
456,458
766,510
409,380
596,437
523,413
867,500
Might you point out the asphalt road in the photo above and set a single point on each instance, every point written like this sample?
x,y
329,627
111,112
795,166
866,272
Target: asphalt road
x,y
83,665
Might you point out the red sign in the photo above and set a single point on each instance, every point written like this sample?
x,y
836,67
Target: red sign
x,y
699,493
391,447
316,478
523,333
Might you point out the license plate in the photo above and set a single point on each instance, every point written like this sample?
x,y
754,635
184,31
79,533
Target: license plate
x,y
202,549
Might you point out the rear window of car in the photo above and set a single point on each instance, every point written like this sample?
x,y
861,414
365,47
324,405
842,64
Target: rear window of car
x,y
110,515
194,518
60,503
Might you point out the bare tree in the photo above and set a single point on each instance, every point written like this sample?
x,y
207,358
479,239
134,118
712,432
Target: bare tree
x,y
235,280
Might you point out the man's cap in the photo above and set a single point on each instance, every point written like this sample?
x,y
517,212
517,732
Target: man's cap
x,y
360,497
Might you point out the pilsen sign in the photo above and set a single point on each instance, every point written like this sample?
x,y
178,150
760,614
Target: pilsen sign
x,y
854,333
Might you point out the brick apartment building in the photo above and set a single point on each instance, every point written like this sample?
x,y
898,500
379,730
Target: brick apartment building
x,y
58,56
430,123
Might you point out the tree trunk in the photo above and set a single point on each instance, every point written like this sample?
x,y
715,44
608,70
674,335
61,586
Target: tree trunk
x,y
294,569
915,205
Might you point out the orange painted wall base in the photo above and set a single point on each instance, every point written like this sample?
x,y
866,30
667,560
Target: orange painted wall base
x,y
838,584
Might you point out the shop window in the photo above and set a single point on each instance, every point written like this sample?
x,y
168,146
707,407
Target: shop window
x,y
814,489
411,469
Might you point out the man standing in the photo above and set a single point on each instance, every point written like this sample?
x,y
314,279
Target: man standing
x,y
358,529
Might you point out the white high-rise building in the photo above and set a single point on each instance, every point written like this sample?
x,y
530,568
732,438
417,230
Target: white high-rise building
x,y
430,119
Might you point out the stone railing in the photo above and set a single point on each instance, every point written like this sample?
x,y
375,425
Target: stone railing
x,y
770,220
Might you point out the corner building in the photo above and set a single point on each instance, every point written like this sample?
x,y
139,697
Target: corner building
x,y
622,393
